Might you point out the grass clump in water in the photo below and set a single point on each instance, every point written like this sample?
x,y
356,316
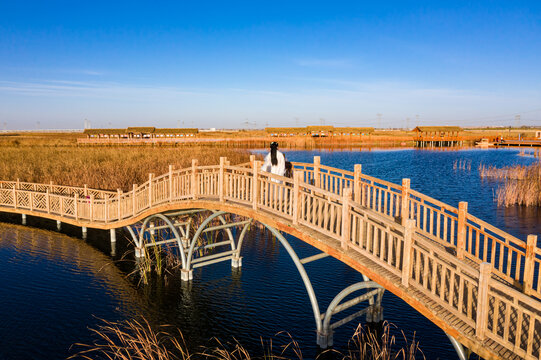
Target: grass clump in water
x,y
521,185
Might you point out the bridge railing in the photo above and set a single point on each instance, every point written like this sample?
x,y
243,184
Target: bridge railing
x,y
468,235
238,184
57,189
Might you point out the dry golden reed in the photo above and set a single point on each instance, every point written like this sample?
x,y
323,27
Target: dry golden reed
x,y
106,168
521,184
133,339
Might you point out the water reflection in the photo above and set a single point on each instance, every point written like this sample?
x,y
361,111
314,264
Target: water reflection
x,y
52,287
526,219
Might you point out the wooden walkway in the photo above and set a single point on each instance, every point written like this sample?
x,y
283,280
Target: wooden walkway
x,y
518,143
476,282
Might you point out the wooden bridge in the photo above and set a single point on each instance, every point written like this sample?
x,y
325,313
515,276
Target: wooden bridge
x,y
477,283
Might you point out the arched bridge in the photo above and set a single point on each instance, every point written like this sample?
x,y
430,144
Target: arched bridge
x,y
478,283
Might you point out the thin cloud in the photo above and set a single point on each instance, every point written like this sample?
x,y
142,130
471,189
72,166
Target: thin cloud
x,y
64,88
71,71
324,63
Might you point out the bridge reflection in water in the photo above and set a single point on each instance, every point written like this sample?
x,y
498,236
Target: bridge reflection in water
x,y
476,282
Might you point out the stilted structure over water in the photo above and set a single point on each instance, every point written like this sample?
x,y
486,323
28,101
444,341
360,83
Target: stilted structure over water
x,y
437,136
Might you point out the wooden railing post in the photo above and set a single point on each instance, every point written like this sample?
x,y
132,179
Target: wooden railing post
x,y
150,176
297,179
485,270
91,207
529,264
252,159
14,197
317,177
106,209
404,211
409,229
194,179
461,229
346,217
221,179
134,203
75,204
170,183
31,200
357,183
85,190
18,184
255,183
119,207
48,200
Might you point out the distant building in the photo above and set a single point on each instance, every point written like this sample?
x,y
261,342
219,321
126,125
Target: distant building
x,y
319,131
139,133
437,136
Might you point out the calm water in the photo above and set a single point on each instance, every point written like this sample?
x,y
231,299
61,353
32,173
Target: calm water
x,y
55,285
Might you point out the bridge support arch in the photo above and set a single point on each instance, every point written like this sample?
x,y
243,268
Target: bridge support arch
x,y
462,353
193,246
373,313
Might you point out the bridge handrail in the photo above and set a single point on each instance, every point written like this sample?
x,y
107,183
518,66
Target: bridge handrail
x,y
56,189
410,249
441,223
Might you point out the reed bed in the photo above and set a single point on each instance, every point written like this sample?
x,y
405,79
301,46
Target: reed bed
x,y
134,339
521,185
106,168
368,345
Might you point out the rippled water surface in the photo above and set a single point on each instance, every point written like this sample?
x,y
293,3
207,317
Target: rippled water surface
x,y
55,285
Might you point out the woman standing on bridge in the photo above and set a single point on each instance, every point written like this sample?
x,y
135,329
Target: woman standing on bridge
x,y
275,161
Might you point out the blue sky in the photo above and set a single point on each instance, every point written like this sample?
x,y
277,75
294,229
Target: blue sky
x,y
253,64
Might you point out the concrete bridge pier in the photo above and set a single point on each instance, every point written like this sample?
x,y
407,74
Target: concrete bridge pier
x,y
186,275
113,235
84,232
23,219
58,225
374,315
113,249
139,252
236,261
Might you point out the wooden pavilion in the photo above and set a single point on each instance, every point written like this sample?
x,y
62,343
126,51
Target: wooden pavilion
x,y
319,131
437,136
138,133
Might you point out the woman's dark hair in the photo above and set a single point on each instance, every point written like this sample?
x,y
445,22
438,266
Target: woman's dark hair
x,y
274,148
289,170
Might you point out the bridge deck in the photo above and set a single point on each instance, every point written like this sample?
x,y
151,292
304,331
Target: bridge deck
x,y
476,282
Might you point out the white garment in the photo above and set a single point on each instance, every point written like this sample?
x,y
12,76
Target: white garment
x,y
278,169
